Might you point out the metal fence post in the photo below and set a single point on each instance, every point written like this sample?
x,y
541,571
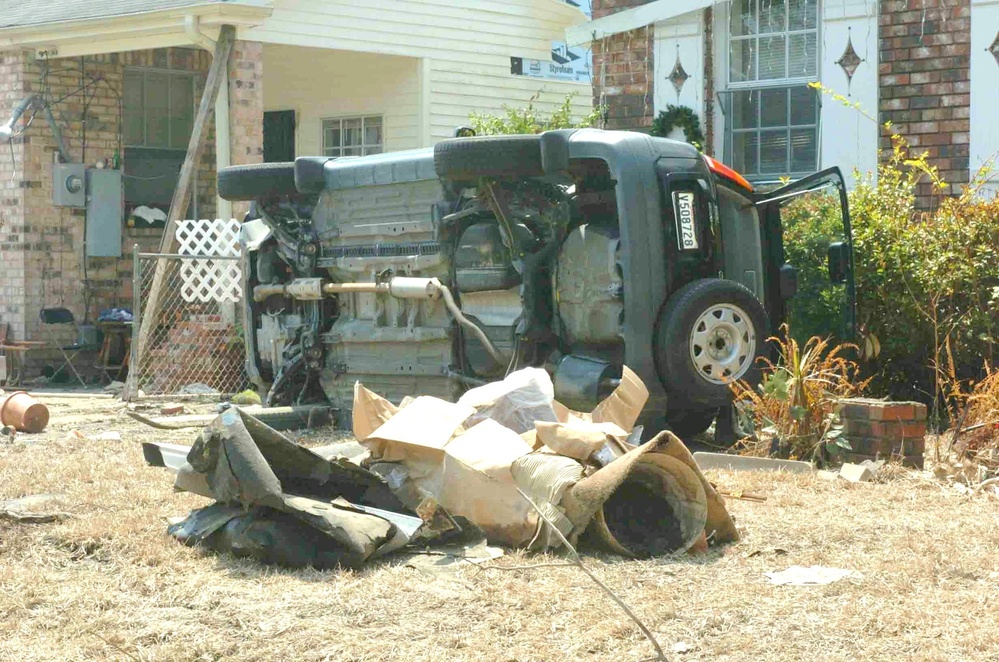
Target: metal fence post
x,y
131,386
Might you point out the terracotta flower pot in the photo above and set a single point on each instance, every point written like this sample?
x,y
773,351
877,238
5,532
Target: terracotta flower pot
x,y
21,411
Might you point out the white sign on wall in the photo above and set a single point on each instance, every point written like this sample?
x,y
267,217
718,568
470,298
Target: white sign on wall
x,y
570,64
573,64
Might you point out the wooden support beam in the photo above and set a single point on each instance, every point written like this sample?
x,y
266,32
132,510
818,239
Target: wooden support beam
x,y
182,194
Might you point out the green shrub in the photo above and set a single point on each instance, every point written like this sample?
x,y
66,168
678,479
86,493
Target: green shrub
x,y
530,120
927,282
811,222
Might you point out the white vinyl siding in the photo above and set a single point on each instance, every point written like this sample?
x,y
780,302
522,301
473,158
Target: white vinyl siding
x,y
468,44
322,84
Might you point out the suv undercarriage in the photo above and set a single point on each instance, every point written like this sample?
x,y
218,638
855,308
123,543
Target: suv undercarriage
x,y
430,271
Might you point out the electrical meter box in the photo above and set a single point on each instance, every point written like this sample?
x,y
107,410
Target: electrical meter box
x,y
69,185
104,213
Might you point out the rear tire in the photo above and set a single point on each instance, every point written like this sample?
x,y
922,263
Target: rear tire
x,y
711,334
462,159
257,181
688,423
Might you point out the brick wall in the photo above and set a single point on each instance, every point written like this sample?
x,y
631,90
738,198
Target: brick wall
x,y
41,246
13,88
925,81
623,71
246,108
877,429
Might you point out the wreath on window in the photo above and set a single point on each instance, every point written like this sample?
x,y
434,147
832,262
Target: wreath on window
x,y
680,117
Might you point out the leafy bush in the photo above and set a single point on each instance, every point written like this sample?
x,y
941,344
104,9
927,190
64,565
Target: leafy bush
x,y
811,222
530,120
926,281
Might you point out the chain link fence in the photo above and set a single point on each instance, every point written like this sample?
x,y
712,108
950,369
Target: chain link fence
x,y
194,341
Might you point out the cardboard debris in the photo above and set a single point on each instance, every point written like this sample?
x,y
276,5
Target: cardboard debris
x,y
432,470
472,457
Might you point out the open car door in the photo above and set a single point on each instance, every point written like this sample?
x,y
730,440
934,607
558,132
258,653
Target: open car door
x,y
808,256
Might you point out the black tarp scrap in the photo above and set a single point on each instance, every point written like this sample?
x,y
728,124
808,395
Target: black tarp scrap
x,y
275,500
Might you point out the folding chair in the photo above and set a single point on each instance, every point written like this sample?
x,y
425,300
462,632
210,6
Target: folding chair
x,y
52,317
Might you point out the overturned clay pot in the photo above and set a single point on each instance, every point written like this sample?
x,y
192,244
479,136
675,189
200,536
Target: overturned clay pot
x,y
22,412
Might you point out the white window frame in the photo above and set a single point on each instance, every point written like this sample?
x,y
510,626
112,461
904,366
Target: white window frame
x,y
366,148
769,84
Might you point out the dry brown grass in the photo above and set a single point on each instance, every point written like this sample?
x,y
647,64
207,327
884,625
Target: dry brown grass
x,y
109,584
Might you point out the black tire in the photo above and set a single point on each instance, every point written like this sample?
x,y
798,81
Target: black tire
x,y
462,159
257,181
737,341
686,422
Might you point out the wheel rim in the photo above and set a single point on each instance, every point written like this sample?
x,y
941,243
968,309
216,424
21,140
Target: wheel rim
x,y
723,344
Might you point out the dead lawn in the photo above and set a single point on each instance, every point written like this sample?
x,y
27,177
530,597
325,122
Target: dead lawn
x,y
109,584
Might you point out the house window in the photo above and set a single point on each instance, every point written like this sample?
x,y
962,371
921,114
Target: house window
x,y
159,108
353,136
773,116
158,119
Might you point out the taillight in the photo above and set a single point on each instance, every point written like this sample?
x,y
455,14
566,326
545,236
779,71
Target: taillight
x,y
723,170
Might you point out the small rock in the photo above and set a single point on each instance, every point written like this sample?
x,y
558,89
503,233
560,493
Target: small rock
x,y
115,388
827,475
856,473
681,647
172,410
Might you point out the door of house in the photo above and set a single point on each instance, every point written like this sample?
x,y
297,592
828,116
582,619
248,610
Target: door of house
x,y
279,136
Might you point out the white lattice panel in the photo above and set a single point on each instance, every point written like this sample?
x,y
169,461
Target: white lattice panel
x,y
209,280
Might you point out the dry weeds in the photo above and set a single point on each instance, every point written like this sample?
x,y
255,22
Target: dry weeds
x,y
109,583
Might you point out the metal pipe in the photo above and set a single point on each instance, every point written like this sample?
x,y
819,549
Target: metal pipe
x,y
467,323
311,289
7,129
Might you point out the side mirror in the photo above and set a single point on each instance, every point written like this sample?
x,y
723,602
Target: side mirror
x,y
788,281
839,261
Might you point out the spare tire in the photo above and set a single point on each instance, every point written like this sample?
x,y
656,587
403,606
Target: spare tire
x,y
711,333
490,156
257,181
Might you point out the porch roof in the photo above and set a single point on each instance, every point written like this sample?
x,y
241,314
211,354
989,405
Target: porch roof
x,y
22,13
83,27
632,19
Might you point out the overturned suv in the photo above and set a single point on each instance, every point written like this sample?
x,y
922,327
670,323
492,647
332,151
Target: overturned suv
x,y
430,271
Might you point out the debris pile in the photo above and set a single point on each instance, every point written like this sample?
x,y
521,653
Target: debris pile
x,y
506,459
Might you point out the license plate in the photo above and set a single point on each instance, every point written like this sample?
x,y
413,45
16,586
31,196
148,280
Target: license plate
x,y
686,223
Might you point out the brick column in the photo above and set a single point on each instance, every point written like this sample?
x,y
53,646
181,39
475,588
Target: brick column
x,y
13,87
623,76
246,108
925,80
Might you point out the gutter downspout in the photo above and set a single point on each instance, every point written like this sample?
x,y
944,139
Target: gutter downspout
x,y
223,155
